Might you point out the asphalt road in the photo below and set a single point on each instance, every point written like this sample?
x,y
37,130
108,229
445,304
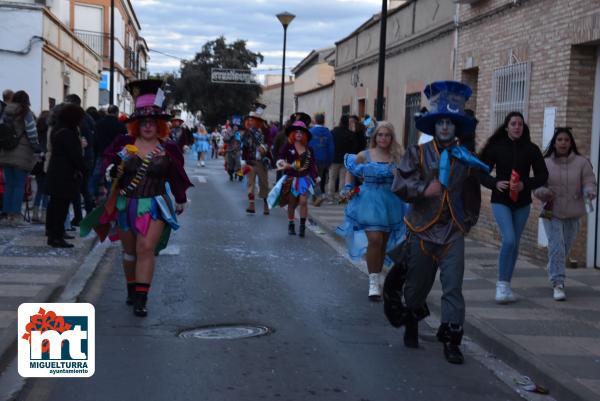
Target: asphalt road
x,y
328,342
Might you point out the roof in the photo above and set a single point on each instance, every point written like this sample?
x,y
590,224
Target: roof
x,y
318,54
374,20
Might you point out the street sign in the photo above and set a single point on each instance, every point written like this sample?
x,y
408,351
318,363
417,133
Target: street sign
x,y
232,76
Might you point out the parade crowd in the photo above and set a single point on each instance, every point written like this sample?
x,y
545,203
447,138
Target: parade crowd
x,y
124,178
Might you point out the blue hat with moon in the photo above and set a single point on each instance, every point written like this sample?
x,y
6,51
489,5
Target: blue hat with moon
x,y
447,100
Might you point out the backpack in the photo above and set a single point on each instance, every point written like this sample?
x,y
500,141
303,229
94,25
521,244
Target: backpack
x,y
9,138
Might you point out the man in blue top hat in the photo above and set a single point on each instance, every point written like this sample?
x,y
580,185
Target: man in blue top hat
x,y
438,180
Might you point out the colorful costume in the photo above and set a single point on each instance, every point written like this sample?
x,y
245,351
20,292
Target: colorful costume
x,y
296,181
201,143
374,208
143,192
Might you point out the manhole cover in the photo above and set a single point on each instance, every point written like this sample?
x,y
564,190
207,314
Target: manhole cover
x,y
228,332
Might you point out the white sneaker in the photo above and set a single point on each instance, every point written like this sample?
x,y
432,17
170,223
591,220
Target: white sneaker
x,y
202,164
197,164
504,294
374,286
559,293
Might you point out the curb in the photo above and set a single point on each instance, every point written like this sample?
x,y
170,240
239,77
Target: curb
x,y
560,384
51,293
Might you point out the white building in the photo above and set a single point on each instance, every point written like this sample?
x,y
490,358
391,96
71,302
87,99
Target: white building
x,y
40,54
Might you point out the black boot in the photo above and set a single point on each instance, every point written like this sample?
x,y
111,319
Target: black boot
x,y
139,308
291,228
451,336
411,333
302,230
130,293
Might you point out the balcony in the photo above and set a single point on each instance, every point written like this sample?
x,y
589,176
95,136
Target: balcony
x,y
97,41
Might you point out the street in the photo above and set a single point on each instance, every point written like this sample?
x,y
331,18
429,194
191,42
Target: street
x,y
327,341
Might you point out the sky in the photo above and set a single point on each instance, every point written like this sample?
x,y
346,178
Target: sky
x,y
180,27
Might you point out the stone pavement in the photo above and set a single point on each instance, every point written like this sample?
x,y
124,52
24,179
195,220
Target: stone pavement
x,y
557,344
31,271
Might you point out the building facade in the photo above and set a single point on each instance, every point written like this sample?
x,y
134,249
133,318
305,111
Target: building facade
x,y
540,57
271,97
90,21
313,86
40,54
420,38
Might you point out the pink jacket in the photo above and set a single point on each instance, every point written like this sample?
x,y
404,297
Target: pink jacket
x,y
569,179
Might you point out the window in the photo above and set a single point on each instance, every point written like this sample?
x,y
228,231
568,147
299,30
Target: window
x,y
412,106
510,91
346,110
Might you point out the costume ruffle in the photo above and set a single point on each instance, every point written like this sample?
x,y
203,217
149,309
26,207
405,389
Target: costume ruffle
x,y
132,214
201,144
288,185
374,208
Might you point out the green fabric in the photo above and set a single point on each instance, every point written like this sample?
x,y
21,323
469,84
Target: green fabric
x,y
121,203
144,206
91,220
164,240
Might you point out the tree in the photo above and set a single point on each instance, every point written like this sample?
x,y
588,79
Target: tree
x,y
217,101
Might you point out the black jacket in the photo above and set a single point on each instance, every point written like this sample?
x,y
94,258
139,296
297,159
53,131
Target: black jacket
x,y
107,129
505,155
342,143
66,164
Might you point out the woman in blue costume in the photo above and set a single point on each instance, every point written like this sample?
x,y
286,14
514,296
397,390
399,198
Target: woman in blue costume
x,y
374,222
201,144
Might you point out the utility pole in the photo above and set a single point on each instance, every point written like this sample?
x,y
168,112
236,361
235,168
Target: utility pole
x,y
111,95
381,74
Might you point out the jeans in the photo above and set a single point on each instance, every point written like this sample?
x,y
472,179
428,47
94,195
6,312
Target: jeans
x,y
41,198
511,223
14,189
561,234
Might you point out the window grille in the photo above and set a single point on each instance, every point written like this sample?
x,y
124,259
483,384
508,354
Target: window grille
x,y
346,110
510,91
412,106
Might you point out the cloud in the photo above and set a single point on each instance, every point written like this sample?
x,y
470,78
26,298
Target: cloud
x,y
181,27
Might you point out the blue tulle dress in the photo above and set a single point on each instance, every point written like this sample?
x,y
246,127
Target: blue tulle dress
x,y
201,143
374,208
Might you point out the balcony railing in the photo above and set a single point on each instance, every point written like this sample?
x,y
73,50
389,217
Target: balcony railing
x,y
97,41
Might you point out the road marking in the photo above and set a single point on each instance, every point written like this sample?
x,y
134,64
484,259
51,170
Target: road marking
x,y
201,179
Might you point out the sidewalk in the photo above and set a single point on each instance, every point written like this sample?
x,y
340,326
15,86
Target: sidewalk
x,y
557,344
31,271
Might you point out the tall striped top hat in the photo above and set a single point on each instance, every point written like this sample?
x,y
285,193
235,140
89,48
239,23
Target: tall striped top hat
x,y
447,100
149,98
259,110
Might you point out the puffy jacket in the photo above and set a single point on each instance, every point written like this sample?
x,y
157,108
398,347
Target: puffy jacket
x,y
322,144
569,179
21,157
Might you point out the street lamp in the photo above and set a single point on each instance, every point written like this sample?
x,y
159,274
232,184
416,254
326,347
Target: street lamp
x,y
381,72
285,18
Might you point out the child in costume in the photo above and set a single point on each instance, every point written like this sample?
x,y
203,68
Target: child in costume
x,y
201,144
299,167
143,165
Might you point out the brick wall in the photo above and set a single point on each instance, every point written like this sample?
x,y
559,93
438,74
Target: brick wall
x,y
557,38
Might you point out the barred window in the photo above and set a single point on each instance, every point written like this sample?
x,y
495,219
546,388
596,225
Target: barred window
x,y
411,107
510,91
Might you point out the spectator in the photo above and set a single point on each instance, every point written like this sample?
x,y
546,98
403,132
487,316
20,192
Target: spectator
x,y
571,184
107,129
359,140
342,144
87,129
65,172
40,202
18,161
510,151
322,146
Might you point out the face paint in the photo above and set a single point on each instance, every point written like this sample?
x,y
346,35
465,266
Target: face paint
x,y
445,130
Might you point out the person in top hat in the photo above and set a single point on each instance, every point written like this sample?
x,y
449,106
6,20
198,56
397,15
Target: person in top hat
x,y
256,155
301,116
297,160
140,206
439,181
177,130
